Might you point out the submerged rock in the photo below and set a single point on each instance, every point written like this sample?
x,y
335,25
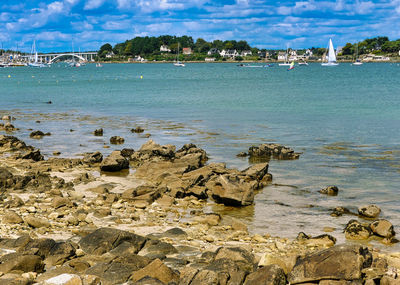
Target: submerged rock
x,y
137,130
98,132
330,191
38,134
276,151
117,140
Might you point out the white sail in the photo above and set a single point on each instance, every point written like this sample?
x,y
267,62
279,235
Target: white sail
x,y
331,54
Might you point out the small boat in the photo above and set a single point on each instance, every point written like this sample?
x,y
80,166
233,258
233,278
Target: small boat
x,y
331,56
358,61
34,58
178,63
302,62
286,62
291,66
99,64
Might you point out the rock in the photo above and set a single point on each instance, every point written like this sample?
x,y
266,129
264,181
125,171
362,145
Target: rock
x,y
175,233
34,154
369,211
64,279
98,132
60,202
153,149
12,143
256,172
340,211
357,231
35,222
321,240
59,253
341,262
276,151
286,262
111,273
330,191
230,190
117,140
6,118
38,134
154,247
127,152
137,130
269,275
158,270
6,178
114,162
382,228
238,225
24,263
210,219
386,280
93,157
244,259
10,217
56,152
241,154
105,239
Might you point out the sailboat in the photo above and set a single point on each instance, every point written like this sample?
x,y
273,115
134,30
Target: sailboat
x,y
73,62
291,66
34,62
178,63
286,62
331,56
358,61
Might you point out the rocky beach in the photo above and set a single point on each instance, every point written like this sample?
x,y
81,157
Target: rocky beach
x,y
145,217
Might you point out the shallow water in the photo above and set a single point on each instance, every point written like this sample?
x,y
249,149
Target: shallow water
x,y
345,120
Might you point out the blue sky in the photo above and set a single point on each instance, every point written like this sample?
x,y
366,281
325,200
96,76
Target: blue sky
x,y
265,24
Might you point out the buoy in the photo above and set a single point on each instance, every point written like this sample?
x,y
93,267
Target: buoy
x,y
141,76
9,76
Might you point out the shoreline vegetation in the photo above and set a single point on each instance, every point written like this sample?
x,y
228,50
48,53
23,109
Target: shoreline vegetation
x,y
140,217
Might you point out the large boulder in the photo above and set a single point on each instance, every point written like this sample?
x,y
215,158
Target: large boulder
x,y
268,275
93,157
8,143
105,239
18,262
114,162
230,190
33,154
157,270
357,231
6,178
341,262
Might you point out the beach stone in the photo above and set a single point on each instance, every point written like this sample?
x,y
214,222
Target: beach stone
x,y
382,228
10,217
114,162
127,152
105,239
117,140
35,222
330,191
357,231
34,154
369,211
158,270
230,191
18,262
276,151
6,178
242,154
256,171
341,262
157,247
137,130
286,262
340,211
187,274
6,118
324,240
64,279
98,132
111,273
268,275
60,202
8,127
209,219
243,258
93,157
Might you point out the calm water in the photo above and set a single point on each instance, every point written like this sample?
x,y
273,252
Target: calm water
x,y
345,120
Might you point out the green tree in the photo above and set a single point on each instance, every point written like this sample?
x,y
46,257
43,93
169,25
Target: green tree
x,y
348,49
104,50
242,45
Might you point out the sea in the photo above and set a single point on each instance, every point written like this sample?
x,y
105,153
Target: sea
x,y
345,121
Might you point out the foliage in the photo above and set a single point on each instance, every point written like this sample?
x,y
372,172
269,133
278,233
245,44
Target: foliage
x,y
104,50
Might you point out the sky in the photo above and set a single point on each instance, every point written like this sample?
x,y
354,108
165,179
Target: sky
x,y
85,25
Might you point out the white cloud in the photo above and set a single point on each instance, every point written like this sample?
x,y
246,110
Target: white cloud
x,y
93,4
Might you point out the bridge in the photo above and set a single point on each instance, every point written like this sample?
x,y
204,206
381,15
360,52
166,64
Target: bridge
x,y
54,57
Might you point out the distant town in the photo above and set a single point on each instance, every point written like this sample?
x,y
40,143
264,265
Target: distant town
x,y
172,48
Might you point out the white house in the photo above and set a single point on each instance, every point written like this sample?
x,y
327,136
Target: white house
x,y
110,54
293,55
282,56
209,59
164,48
246,53
213,51
187,50
229,53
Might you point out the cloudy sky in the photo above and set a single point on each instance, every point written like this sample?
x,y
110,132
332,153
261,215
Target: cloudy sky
x,y
265,24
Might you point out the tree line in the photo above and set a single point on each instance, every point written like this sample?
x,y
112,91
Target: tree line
x,y
374,45
144,46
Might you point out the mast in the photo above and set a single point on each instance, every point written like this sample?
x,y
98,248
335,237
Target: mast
x,y
331,54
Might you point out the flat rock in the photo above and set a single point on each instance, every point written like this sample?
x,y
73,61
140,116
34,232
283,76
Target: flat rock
x,y
158,270
341,262
10,217
35,222
276,151
382,228
24,263
114,162
64,279
268,275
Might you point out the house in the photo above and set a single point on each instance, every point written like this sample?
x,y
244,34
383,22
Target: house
x,y
213,51
137,58
262,54
399,52
230,53
293,55
281,56
187,50
209,59
246,53
373,57
164,48
110,54
339,50
308,53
